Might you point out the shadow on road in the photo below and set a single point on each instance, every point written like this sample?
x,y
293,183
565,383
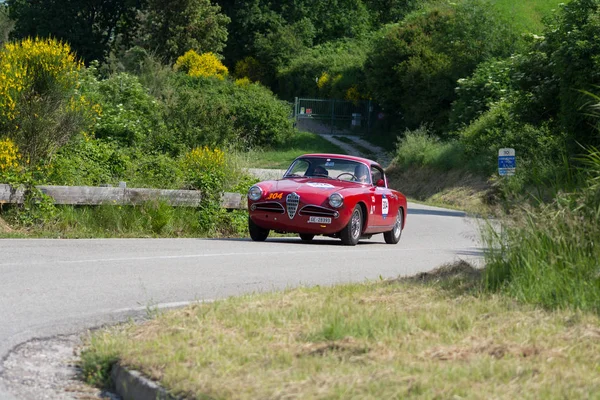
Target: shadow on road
x,y
441,213
473,252
318,241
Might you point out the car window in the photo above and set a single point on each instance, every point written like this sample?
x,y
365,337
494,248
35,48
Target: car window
x,y
376,174
332,168
298,168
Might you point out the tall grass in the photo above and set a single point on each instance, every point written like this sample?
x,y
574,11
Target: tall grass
x,y
151,219
550,254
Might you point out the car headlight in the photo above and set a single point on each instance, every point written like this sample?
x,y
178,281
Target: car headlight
x,y
255,193
336,200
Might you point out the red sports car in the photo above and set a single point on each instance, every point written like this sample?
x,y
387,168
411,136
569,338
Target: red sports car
x,y
328,194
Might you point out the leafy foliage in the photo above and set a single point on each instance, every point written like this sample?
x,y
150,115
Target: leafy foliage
x,y
490,83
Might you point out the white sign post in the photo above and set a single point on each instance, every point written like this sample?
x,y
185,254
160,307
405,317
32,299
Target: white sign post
x,y
507,162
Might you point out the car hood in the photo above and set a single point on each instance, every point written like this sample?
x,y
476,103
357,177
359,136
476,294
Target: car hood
x,y
310,185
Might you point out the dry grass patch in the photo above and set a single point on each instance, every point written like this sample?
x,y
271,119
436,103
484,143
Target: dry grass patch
x,y
397,339
453,188
4,227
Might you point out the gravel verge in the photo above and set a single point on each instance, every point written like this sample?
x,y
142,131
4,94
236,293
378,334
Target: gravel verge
x,y
47,369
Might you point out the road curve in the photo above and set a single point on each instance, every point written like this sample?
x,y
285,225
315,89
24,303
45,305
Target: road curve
x,y
50,287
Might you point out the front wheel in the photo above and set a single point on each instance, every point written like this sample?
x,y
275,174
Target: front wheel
x,y
351,233
393,236
257,233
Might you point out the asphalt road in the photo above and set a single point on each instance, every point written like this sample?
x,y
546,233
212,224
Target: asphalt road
x,y
50,287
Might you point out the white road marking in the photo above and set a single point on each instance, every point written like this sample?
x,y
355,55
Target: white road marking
x,y
263,253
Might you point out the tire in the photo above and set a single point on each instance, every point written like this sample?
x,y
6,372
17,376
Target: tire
x,y
257,233
393,236
306,237
351,233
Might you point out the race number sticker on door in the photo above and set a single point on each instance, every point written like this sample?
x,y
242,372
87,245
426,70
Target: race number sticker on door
x,y
385,207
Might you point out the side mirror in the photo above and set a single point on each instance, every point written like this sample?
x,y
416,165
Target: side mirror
x,y
380,183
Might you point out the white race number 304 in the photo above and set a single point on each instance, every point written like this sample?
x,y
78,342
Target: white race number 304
x,y
385,206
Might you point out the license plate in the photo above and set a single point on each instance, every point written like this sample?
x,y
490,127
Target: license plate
x,y
319,220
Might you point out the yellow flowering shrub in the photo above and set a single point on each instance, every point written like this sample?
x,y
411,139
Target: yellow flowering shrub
x,y
352,94
206,64
9,156
323,80
40,104
34,62
205,170
243,82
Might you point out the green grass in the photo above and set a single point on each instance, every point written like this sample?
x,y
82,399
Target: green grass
x,y
397,339
526,16
281,157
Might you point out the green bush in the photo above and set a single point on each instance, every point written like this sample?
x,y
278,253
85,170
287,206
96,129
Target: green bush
x,y
204,111
129,115
88,162
154,170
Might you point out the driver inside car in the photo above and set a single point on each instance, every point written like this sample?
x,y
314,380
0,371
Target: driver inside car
x,y
320,171
361,172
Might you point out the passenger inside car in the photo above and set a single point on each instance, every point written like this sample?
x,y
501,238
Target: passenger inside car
x,y
361,172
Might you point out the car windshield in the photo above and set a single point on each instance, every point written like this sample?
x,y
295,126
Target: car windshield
x,y
333,168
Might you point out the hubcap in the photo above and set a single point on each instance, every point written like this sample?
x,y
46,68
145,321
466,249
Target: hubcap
x,y
355,224
398,225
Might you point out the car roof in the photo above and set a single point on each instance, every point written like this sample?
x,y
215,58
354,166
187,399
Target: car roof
x,y
342,156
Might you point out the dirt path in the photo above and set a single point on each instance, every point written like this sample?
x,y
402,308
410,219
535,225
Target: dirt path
x,y
381,155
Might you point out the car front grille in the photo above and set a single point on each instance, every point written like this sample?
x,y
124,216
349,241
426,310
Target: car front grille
x,y
292,202
270,206
318,211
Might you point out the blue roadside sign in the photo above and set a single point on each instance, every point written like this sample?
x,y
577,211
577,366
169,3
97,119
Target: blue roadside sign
x,y
507,162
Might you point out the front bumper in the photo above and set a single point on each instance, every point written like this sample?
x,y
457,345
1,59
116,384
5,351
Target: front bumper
x,y
307,219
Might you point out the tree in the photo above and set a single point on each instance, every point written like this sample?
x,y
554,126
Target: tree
x,y
89,26
172,27
390,11
6,25
413,69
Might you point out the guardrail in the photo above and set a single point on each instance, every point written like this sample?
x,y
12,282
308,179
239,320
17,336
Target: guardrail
x,y
91,195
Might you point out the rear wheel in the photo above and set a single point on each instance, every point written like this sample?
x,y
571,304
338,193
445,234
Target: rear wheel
x,y
257,233
306,237
393,236
351,233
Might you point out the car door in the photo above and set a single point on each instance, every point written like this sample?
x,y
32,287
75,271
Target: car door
x,y
383,202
